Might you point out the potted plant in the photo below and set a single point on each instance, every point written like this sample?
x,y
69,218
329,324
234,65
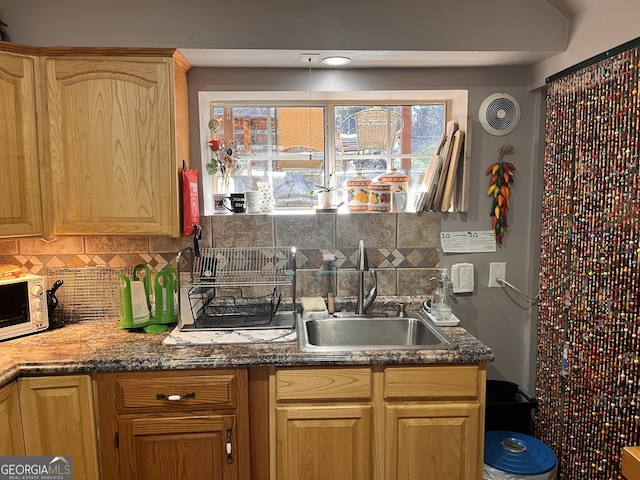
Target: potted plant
x,y
326,193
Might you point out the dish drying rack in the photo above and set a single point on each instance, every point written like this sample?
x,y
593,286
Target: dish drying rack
x,y
236,288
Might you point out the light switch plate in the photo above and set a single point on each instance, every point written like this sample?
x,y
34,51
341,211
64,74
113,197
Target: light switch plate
x,y
497,270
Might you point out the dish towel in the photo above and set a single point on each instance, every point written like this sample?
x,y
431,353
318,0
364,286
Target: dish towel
x,y
225,337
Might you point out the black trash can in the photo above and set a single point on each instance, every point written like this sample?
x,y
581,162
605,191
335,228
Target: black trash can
x,y
509,408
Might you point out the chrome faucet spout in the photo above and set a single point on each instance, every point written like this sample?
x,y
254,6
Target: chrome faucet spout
x,y
362,262
362,265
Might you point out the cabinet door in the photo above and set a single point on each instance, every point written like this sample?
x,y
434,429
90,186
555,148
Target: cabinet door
x,y
20,207
436,441
323,442
11,440
58,420
194,448
111,146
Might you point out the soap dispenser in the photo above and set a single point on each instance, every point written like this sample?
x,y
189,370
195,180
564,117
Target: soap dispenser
x,y
440,304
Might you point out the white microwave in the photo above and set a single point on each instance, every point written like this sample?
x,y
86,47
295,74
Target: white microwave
x,y
23,306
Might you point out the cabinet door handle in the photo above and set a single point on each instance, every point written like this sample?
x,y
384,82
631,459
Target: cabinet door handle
x,y
229,455
173,398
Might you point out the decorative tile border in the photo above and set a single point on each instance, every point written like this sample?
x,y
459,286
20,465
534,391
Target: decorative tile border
x,y
306,259
40,264
378,258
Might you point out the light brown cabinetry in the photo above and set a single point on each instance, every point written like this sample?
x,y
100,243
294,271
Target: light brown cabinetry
x,y
92,140
324,442
174,424
58,420
20,207
11,440
116,131
323,423
382,423
433,422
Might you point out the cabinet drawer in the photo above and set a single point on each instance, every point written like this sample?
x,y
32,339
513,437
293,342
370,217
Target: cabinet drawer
x,y
323,384
170,393
432,382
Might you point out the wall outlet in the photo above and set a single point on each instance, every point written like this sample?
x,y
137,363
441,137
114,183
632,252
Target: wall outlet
x,y
497,270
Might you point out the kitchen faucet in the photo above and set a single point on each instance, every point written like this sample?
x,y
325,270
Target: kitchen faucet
x,y
362,265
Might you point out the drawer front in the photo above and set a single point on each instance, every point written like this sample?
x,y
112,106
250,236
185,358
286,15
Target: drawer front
x,y
162,393
432,382
323,384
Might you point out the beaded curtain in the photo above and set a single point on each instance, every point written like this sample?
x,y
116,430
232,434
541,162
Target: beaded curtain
x,y
588,371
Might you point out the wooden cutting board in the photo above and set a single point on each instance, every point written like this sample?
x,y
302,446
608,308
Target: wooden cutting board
x,y
464,169
429,183
448,196
452,127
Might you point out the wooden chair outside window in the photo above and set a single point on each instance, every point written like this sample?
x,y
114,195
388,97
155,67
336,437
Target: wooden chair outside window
x,y
369,131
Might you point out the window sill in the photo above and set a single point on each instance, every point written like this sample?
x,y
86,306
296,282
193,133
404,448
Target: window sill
x,y
290,211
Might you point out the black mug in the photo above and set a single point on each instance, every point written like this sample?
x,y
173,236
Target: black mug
x,y
238,202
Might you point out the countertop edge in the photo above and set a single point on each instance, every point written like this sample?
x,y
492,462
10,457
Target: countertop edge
x,y
101,347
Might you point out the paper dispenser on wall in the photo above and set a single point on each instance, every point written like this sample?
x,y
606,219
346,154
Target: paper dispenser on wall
x,y
462,277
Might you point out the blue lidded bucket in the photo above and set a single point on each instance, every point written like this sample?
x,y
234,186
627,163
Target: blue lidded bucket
x,y
515,456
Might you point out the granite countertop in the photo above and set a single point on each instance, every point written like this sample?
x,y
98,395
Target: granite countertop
x,y
101,346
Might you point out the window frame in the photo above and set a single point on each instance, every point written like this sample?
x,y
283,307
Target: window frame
x,y
454,102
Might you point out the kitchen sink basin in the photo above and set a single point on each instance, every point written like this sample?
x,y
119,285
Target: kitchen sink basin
x,y
347,333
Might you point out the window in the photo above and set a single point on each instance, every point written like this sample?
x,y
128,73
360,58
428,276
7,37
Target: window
x,y
299,145
376,138
281,144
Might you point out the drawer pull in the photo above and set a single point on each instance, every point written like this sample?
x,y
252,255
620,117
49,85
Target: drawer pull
x,y
229,455
173,398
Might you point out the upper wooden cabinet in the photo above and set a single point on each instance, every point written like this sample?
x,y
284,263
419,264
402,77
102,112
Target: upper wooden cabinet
x,y
112,126
20,207
115,135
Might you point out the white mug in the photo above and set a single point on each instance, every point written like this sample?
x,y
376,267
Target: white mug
x,y
399,202
221,203
252,201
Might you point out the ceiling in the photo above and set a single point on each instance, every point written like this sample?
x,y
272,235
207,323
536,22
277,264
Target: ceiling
x,y
359,58
256,58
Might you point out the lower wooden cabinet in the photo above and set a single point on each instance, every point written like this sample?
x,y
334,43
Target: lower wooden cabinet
x,y
159,448
324,442
167,425
11,440
58,420
431,441
379,422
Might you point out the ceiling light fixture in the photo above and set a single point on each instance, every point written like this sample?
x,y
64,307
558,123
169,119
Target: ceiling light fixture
x,y
336,60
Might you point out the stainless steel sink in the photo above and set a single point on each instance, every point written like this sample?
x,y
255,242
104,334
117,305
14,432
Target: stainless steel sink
x,y
348,333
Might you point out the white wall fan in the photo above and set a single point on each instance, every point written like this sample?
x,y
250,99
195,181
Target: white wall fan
x,y
499,114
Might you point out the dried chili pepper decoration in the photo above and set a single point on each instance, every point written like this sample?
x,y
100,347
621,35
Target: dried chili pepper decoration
x,y
502,174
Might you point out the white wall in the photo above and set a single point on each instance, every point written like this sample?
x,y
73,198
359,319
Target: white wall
x,y
594,30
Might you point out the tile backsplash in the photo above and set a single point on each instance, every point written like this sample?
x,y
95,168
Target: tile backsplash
x,y
403,248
